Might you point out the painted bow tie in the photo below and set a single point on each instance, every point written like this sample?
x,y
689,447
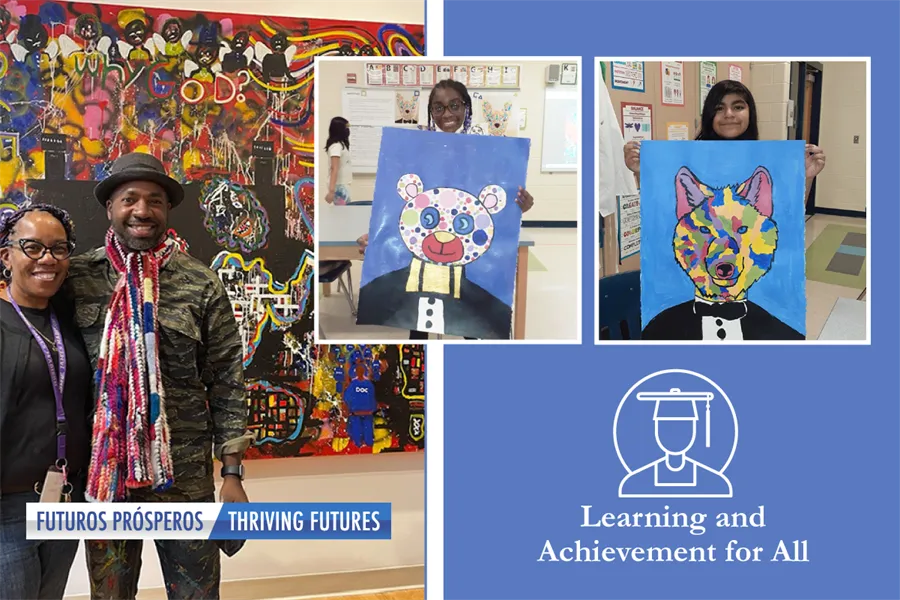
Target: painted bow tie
x,y
729,311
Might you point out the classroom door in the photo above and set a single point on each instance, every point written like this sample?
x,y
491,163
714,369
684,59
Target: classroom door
x,y
810,103
809,81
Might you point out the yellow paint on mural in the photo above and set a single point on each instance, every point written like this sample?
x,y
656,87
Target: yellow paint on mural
x,y
192,158
340,444
382,435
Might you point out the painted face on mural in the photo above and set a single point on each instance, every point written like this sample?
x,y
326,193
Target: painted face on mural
x,y
32,34
206,55
87,28
138,213
172,31
241,41
136,33
4,20
234,216
447,226
279,42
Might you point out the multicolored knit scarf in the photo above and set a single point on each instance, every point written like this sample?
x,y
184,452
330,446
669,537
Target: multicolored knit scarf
x,y
131,436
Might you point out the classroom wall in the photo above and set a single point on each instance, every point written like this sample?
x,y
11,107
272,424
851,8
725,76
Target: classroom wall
x,y
842,185
770,84
395,478
689,113
555,194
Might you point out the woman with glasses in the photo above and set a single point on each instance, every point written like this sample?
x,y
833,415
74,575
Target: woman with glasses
x,y
450,111
45,397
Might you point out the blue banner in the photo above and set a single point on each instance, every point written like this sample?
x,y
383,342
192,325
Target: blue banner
x,y
303,521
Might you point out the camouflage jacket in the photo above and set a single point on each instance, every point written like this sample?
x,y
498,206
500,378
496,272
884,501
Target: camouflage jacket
x,y
200,356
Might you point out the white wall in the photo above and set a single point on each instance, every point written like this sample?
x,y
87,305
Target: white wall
x,y
555,194
842,184
770,84
395,478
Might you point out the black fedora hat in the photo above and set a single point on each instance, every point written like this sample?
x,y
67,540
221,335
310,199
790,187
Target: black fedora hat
x,y
138,166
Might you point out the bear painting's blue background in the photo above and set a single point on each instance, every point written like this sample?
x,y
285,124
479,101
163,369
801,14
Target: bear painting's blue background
x,y
819,443
781,291
465,162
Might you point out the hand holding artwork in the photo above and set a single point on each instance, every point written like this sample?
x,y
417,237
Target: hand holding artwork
x,y
363,242
815,160
633,156
524,200
329,197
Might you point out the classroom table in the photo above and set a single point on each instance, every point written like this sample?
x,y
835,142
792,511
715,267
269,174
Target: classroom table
x,y
340,226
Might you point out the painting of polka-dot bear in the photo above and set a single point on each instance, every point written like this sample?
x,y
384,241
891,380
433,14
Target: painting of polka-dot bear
x,y
444,234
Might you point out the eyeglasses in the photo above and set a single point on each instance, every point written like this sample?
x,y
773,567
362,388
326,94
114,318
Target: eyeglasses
x,y
437,109
35,250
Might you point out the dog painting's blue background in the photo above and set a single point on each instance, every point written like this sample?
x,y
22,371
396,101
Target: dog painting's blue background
x,y
465,162
781,291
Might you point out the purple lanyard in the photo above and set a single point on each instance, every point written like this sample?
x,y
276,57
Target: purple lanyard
x,y
59,383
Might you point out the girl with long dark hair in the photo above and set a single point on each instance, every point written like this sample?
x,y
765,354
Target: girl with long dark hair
x,y
729,113
340,174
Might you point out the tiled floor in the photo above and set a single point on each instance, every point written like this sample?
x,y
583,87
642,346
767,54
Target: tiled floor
x,y
822,297
404,583
412,594
551,308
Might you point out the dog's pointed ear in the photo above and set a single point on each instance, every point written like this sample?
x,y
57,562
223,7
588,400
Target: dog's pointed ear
x,y
689,192
758,191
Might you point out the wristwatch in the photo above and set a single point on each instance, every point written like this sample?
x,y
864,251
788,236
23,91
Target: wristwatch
x,y
233,470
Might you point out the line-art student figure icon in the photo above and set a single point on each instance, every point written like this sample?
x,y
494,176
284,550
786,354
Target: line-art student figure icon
x,y
676,475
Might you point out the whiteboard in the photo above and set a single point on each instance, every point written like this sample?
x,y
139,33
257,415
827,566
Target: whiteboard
x,y
369,110
562,130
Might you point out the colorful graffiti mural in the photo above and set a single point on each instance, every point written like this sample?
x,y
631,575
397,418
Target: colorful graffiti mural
x,y
363,400
226,102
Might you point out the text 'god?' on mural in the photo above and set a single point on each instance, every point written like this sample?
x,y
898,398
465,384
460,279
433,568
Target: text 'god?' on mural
x,y
695,524
225,102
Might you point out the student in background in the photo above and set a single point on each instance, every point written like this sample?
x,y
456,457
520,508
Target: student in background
x,y
340,173
729,113
38,336
450,111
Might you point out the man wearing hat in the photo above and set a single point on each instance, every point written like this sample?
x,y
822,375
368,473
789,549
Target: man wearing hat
x,y
162,337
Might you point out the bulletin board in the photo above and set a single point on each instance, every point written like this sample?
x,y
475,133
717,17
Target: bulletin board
x,y
396,95
663,116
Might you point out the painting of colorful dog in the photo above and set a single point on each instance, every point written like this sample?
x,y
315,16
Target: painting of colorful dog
x,y
726,241
407,108
442,246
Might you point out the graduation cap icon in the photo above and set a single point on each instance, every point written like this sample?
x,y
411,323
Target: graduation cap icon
x,y
676,405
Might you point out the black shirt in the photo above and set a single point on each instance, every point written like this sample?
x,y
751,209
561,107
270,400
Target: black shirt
x,y
27,403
